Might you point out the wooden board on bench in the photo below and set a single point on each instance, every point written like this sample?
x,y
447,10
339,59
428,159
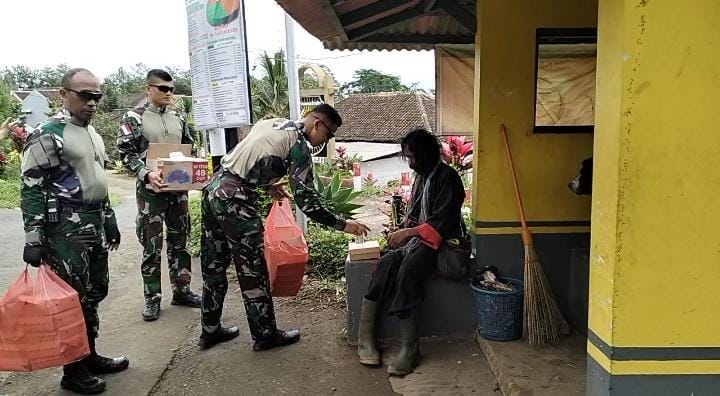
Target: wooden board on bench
x,y
369,250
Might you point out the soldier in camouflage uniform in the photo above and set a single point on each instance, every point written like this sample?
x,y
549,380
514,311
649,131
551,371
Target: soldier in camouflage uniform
x,y
156,122
232,227
69,223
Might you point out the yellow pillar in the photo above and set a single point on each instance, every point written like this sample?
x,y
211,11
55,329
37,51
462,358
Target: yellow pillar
x,y
654,315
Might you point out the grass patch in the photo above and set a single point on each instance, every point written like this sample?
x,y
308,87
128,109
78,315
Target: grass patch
x,y
10,185
328,250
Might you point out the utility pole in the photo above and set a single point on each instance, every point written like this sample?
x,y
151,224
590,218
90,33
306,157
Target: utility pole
x,y
293,93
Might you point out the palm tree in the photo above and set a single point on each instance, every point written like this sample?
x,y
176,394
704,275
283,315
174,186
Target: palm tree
x,y
270,93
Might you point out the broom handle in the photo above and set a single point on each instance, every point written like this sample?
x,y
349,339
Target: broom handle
x,y
527,238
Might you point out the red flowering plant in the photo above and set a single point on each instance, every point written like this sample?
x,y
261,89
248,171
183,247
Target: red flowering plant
x,y
343,161
458,153
19,136
3,161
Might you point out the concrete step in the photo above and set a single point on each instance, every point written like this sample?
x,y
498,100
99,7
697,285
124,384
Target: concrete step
x,y
545,371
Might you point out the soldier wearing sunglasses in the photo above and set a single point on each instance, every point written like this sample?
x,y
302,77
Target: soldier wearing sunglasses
x,y
69,224
157,122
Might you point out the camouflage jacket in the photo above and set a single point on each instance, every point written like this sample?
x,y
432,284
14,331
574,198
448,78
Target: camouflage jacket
x,y
275,148
63,167
134,136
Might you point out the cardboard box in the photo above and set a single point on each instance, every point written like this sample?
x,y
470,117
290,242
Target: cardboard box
x,y
369,250
180,171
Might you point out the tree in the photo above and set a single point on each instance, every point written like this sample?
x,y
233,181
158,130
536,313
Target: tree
x,y
9,106
23,77
107,127
181,79
128,81
51,76
371,80
112,96
270,93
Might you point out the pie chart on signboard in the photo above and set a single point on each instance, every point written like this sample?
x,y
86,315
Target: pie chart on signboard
x,y
221,12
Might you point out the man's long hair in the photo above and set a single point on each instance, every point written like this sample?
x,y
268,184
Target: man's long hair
x,y
424,146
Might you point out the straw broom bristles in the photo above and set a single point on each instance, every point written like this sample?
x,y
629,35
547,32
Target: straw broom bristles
x,y
543,322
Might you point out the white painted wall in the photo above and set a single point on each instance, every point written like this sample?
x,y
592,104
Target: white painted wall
x,y
39,107
384,170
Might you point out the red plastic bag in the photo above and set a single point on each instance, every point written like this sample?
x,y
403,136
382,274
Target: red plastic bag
x,y
41,323
286,251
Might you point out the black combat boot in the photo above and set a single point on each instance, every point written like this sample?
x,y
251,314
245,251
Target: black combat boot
x,y
367,351
97,364
152,309
409,356
222,334
76,378
279,338
186,298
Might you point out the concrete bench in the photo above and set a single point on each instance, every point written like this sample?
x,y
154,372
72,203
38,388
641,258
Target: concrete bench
x,y
447,309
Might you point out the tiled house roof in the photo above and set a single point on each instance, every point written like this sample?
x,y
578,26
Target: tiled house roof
x,y
384,117
53,94
22,94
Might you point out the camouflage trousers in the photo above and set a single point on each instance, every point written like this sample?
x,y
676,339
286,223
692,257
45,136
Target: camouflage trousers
x,y
233,230
154,209
80,257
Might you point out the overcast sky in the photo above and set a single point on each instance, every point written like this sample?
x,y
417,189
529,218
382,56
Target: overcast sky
x,y
102,35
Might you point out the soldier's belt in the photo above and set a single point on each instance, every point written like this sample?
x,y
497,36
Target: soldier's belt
x,y
82,207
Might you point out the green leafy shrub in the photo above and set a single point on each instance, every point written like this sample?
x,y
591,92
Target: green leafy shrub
x,y
107,127
193,243
264,203
10,184
328,250
337,198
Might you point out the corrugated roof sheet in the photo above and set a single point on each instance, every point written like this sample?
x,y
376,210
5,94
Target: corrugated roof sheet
x,y
421,32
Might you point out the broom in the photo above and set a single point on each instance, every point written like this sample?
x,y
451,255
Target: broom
x,y
543,322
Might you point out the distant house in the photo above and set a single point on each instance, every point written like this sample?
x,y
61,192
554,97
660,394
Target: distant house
x,y
38,103
373,125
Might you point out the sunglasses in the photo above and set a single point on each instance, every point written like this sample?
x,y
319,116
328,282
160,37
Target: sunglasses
x,y
164,88
331,134
87,96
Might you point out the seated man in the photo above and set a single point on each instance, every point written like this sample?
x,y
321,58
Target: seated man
x,y
412,257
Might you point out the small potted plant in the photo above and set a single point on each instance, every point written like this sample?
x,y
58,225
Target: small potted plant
x,y
342,164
